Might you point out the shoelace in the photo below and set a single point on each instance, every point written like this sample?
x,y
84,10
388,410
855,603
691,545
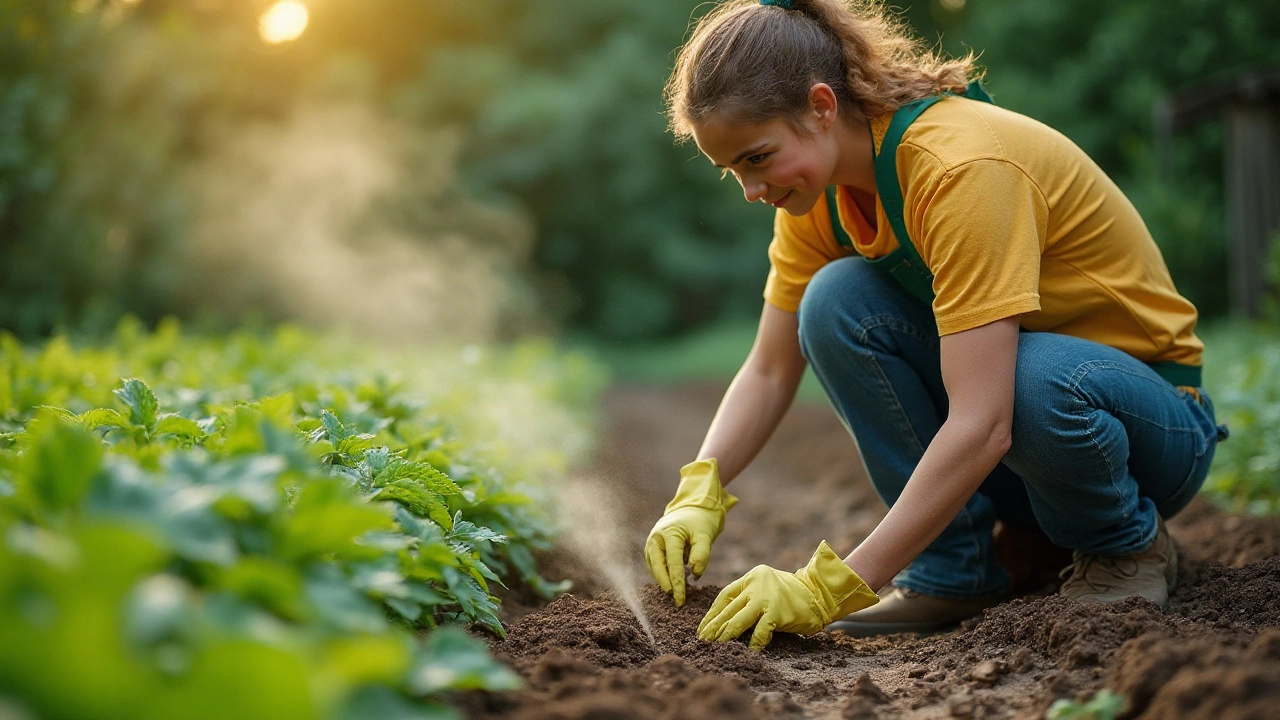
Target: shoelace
x,y
1110,567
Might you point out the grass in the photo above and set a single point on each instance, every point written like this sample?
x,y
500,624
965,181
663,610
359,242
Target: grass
x,y
713,355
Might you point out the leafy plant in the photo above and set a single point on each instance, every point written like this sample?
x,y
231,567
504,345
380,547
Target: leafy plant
x,y
1105,705
1243,375
256,528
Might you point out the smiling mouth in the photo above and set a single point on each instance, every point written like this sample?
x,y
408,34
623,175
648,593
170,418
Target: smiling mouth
x,y
778,203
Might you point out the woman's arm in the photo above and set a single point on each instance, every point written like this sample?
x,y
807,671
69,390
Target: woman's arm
x,y
759,395
978,372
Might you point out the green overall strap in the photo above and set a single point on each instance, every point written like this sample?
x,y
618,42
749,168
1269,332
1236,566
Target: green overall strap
x,y
842,237
904,264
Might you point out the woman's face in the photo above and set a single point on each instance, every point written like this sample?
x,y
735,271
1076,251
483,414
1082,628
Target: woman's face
x,y
773,162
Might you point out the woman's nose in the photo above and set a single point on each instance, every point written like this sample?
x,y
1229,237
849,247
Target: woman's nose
x,y
753,190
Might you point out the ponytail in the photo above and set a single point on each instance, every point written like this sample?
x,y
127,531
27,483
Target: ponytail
x,y
749,62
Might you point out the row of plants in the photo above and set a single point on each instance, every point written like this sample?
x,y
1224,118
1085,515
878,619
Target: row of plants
x,y
1243,373
280,525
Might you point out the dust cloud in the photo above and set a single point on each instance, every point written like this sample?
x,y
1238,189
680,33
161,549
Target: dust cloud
x,y
595,533
338,217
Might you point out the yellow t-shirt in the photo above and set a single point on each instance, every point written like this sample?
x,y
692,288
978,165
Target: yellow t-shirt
x,y
1012,219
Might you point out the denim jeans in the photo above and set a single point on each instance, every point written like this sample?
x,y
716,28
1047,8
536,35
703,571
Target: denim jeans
x,y
1101,443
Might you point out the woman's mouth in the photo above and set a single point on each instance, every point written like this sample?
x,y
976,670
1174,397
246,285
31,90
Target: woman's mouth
x,y
778,203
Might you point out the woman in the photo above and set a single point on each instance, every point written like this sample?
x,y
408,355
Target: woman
x,y
986,310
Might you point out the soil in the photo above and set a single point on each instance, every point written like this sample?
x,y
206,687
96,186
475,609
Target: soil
x,y
1214,653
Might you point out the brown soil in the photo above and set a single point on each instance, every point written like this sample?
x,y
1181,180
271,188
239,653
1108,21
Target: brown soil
x,y
1214,653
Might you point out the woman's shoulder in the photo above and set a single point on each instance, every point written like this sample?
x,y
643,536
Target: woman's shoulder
x,y
958,130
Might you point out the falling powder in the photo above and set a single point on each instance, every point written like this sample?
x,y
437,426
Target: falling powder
x,y
595,534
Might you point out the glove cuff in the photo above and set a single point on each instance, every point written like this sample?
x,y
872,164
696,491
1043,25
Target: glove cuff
x,y
836,587
700,487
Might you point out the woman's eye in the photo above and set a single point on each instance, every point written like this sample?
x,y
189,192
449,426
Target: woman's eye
x,y
757,159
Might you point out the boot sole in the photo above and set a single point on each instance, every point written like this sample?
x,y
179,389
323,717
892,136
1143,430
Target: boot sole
x,y
865,629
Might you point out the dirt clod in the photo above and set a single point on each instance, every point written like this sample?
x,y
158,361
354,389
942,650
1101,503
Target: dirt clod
x,y
961,706
864,687
778,704
859,708
987,672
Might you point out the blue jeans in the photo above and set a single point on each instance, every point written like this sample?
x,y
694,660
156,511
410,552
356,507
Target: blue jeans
x,y
1101,443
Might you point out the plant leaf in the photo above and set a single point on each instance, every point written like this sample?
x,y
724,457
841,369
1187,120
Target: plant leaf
x,y
453,660
140,401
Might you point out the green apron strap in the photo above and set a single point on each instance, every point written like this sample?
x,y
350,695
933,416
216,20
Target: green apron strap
x,y
975,91
842,237
905,264
887,187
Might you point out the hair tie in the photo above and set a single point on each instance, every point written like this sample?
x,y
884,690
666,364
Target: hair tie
x,y
784,4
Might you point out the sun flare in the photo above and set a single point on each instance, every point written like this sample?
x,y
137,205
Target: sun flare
x,y
283,22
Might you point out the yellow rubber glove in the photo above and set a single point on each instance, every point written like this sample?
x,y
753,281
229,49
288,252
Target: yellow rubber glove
x,y
693,519
803,602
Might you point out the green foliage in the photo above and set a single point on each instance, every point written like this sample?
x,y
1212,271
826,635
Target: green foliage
x,y
562,102
551,111
1095,71
1105,705
104,107
1242,365
212,535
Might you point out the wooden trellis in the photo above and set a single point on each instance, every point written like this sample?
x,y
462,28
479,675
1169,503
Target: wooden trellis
x,y
1249,105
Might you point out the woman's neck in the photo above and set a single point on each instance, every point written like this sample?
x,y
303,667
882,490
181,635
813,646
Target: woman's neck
x,y
855,156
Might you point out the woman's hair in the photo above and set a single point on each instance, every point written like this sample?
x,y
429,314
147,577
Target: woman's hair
x,y
748,63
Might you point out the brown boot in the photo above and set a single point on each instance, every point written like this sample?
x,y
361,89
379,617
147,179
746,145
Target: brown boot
x,y
1151,573
902,611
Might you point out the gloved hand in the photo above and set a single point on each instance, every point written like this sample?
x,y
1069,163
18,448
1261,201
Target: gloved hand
x,y
693,519
803,602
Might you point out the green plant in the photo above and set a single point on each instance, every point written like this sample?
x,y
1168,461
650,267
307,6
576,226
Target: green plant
x,y
1105,705
260,530
1243,375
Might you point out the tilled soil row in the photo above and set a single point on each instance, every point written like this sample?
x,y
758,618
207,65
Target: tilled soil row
x,y
1213,653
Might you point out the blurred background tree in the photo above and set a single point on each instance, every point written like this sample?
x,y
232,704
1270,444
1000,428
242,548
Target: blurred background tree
x,y
528,133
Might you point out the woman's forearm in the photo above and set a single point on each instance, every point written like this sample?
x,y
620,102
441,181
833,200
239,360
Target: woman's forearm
x,y
954,465
749,413
759,395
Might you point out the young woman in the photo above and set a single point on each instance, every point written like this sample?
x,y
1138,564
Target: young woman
x,y
986,310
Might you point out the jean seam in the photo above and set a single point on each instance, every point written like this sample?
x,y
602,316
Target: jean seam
x,y
977,547
927,587
862,331
864,327
1077,377
1155,424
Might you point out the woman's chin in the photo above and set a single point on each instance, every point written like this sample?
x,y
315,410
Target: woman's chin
x,y
798,205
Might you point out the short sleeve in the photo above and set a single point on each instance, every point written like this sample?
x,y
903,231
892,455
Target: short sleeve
x,y
981,230
798,250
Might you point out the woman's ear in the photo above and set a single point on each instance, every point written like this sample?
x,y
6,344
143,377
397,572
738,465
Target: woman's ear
x,y
823,106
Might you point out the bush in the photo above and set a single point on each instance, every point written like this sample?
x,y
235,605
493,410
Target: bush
x,y
258,530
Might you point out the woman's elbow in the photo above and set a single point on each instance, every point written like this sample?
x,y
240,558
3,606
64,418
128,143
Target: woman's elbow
x,y
1002,440
988,435
999,436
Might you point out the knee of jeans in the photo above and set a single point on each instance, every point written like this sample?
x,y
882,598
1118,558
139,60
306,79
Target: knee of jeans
x,y
1043,403
828,308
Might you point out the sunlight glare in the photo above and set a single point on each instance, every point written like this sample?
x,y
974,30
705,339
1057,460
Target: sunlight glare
x,y
282,22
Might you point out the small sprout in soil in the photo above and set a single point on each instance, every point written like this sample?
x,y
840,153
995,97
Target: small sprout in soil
x,y
1105,705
